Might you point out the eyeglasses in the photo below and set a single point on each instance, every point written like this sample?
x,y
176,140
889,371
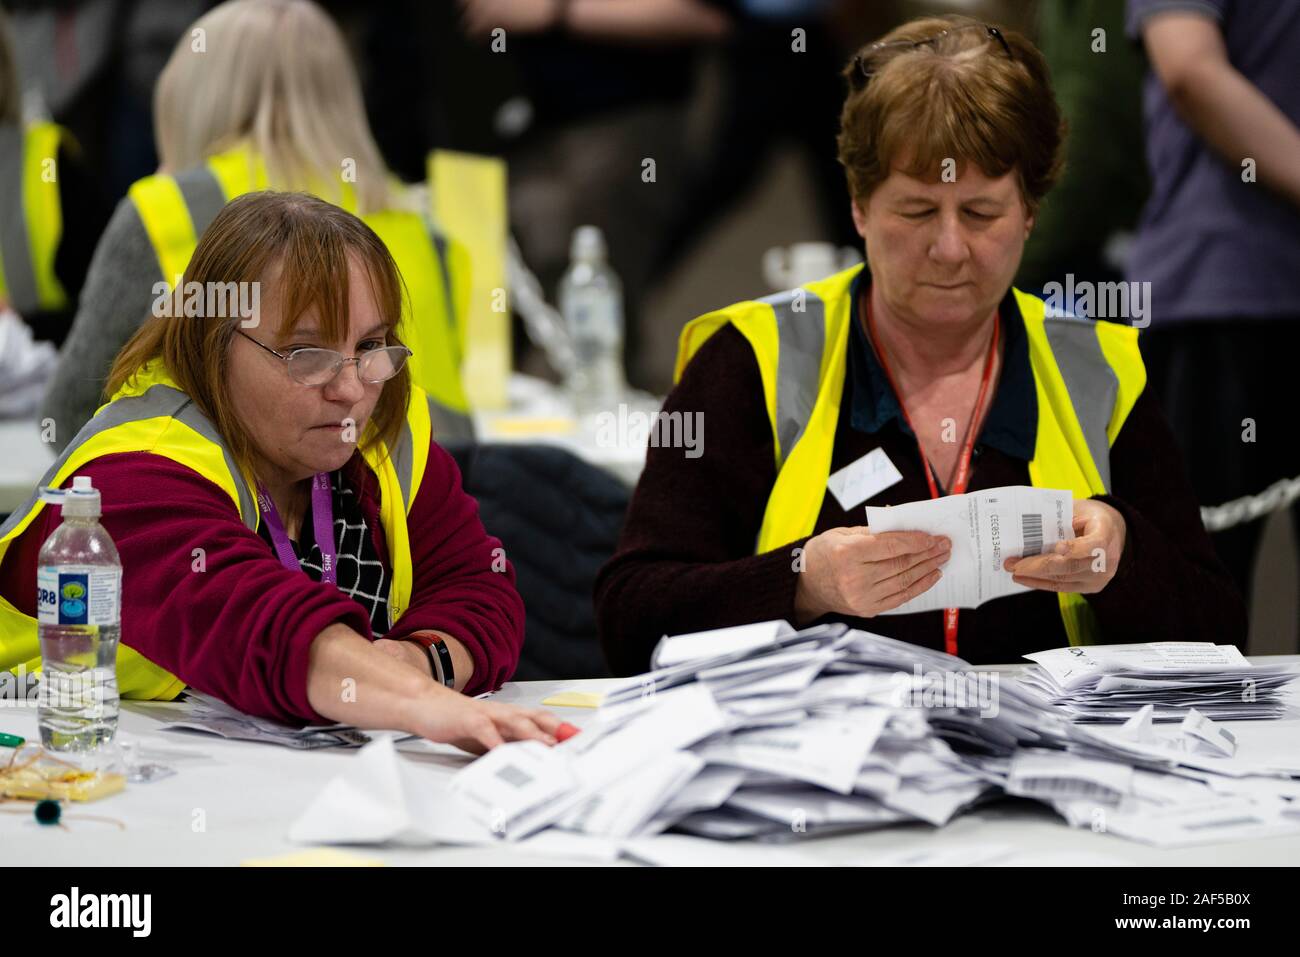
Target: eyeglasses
x,y
316,367
863,69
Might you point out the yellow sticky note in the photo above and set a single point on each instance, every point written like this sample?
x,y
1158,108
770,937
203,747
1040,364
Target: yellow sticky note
x,y
574,699
533,425
315,857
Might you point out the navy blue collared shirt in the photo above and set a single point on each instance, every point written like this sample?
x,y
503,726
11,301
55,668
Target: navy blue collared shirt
x,y
1011,425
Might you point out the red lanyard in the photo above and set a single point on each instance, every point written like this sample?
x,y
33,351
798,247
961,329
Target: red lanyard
x,y
967,447
322,513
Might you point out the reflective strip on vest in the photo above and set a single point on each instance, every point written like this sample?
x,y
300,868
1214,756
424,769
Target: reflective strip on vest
x,y
203,199
31,218
801,338
409,471
1087,377
1090,381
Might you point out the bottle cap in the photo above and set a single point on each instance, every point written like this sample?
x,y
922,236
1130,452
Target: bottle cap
x,y
80,501
588,243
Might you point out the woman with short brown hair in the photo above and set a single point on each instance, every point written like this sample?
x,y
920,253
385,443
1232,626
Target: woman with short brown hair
x,y
292,539
927,357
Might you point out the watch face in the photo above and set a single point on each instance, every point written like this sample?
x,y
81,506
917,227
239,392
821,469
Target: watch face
x,y
446,673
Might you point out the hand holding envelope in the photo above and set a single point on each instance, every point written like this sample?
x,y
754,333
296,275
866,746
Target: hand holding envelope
x,y
1084,565
861,572
986,528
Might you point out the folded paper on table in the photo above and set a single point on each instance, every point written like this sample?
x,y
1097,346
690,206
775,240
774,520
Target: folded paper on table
x,y
382,799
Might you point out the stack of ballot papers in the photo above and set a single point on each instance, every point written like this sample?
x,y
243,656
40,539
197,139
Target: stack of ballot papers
x,y
772,734
1107,683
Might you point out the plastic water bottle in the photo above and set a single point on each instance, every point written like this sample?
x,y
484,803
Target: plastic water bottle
x,y
591,301
78,611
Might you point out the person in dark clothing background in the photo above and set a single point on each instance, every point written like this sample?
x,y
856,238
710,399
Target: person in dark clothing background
x,y
606,86
1219,244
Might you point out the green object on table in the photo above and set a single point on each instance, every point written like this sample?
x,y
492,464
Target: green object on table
x,y
11,741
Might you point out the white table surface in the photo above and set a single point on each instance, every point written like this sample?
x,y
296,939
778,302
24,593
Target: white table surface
x,y
250,793
540,413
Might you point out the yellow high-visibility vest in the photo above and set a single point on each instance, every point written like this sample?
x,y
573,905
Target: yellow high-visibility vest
x,y
150,414
176,209
1087,376
31,217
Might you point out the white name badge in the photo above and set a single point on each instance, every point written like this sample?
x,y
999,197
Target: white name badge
x,y
863,479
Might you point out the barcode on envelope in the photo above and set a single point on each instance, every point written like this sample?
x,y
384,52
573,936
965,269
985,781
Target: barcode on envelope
x,y
514,776
1065,788
1031,533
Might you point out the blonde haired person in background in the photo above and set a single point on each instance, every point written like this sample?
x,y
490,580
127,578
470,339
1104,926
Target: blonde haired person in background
x,y
259,94
274,75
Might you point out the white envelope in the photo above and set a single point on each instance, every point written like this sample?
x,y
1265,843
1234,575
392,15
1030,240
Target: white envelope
x,y
382,799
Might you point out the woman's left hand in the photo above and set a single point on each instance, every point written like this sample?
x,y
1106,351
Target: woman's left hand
x,y
1084,564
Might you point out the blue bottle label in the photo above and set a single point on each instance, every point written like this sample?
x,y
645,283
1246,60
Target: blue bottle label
x,y
78,596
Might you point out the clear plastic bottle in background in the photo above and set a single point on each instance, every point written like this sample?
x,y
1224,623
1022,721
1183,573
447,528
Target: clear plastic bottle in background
x,y
79,602
591,302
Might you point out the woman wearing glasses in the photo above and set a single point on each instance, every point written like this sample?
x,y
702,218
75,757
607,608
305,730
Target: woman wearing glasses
x,y
272,486
923,374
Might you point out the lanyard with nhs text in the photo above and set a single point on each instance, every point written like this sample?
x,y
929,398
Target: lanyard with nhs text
x,y
322,513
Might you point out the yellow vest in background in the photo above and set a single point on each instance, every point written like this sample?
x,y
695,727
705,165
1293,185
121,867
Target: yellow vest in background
x,y
31,218
176,209
150,414
1087,376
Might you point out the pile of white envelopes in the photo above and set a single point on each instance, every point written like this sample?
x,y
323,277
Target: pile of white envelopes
x,y
764,732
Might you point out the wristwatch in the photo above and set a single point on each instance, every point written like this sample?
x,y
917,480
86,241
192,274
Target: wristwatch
x,y
439,657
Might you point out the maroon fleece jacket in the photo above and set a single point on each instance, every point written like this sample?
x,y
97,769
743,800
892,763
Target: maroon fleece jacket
x,y
241,628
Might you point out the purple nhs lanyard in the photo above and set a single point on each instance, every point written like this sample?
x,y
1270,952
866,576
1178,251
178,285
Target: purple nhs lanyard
x,y
322,514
